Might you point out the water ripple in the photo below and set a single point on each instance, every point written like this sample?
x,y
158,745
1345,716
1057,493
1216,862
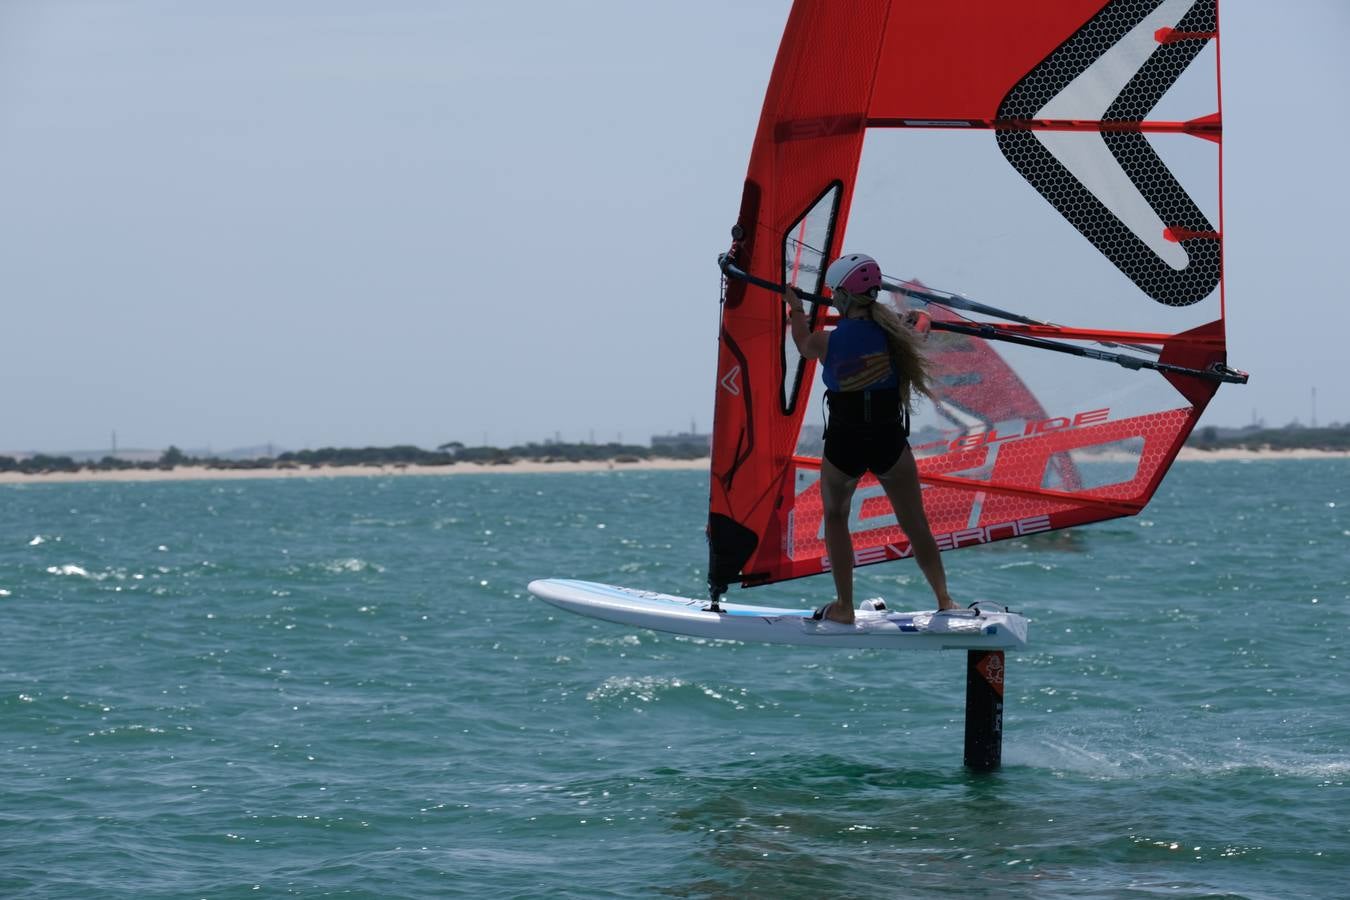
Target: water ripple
x,y
318,687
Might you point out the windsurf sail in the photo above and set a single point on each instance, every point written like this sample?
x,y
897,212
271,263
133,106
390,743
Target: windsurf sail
x,y
1061,162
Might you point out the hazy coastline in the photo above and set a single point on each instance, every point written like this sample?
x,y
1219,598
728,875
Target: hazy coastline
x,y
204,473
201,473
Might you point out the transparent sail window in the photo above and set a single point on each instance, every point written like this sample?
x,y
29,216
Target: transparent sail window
x,y
804,249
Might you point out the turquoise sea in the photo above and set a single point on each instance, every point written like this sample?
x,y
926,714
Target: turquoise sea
x,y
341,687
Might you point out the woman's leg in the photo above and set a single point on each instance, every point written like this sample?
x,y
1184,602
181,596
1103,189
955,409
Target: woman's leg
x,y
836,494
901,483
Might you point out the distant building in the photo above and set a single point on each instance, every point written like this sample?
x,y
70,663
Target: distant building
x,y
683,439
92,456
1224,434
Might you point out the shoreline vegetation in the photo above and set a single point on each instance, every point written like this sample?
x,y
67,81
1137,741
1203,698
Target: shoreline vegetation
x,y
454,458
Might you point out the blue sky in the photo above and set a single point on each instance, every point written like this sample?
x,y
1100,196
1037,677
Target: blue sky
x,y
315,223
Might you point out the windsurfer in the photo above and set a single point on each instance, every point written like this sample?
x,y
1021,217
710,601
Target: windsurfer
x,y
872,369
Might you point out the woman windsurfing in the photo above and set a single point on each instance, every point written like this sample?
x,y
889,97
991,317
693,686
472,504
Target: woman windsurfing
x,y
872,368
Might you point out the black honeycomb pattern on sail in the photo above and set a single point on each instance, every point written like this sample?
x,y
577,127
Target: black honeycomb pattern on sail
x,y
1132,150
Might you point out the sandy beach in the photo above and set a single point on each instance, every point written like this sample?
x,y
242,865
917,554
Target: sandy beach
x,y
1190,454
198,473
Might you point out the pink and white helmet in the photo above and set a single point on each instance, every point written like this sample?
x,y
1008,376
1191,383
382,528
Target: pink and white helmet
x,y
856,273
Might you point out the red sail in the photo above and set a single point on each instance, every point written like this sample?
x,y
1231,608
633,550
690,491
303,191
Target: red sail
x,y
1060,159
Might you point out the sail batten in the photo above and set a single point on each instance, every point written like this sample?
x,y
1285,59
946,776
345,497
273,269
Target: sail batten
x,y
1203,127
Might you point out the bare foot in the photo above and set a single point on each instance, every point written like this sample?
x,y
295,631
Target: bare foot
x,y
832,607
945,603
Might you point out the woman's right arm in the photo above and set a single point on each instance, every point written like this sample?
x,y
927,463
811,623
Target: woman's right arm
x,y
919,322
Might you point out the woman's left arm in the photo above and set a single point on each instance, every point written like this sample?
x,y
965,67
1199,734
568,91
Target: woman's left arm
x,y
810,344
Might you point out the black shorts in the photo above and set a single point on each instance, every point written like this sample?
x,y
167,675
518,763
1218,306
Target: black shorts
x,y
865,433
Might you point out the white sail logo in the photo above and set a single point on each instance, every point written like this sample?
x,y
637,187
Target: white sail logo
x,y
731,382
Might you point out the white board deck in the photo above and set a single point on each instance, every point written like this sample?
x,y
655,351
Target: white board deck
x,y
965,630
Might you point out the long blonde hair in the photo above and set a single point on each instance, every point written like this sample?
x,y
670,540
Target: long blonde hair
x,y
907,357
